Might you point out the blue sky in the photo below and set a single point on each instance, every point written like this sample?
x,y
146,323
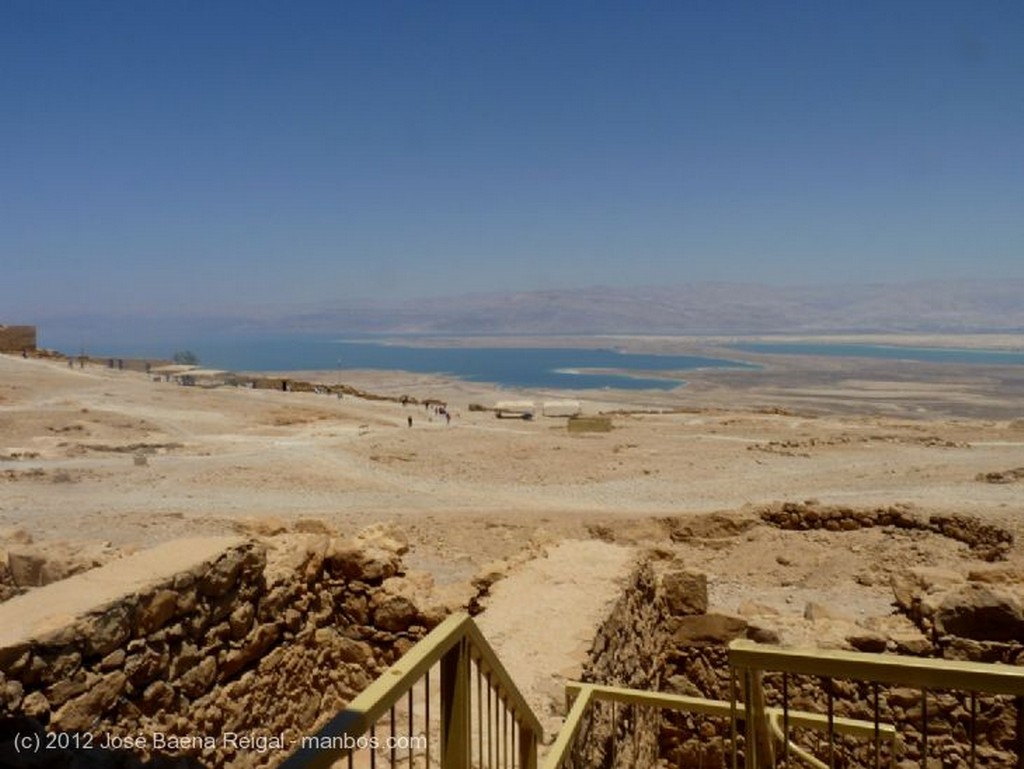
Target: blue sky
x,y
186,155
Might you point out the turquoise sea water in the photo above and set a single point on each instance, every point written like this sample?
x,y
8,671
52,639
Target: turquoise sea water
x,y
889,352
574,368
529,367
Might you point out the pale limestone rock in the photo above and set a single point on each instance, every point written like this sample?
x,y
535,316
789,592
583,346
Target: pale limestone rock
x,y
107,631
81,713
708,629
815,611
909,586
35,705
982,613
867,641
684,591
366,564
156,611
383,536
395,613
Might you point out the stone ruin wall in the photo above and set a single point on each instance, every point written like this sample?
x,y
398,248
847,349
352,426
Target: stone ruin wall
x,y
977,616
271,637
628,651
251,639
701,670
661,636
17,338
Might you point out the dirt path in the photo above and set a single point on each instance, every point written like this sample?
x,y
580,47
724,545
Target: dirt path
x,y
541,619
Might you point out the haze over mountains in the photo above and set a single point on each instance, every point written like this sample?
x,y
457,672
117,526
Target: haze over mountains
x,y
699,308
707,308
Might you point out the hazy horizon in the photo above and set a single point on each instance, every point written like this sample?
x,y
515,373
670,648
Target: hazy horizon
x,y
921,307
181,158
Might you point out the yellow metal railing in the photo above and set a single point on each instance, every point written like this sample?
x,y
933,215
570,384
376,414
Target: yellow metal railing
x,y
450,703
584,696
750,662
479,716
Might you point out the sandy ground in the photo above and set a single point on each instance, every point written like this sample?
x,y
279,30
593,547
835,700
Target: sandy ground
x,y
861,433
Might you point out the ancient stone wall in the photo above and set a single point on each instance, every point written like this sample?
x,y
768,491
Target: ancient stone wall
x,y
17,338
628,651
987,541
222,652
936,726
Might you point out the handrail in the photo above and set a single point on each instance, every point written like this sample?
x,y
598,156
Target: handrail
x,y
584,694
922,673
918,672
799,752
385,692
483,652
853,727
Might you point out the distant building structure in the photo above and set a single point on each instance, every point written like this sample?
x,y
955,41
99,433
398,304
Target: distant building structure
x,y
561,408
515,409
17,338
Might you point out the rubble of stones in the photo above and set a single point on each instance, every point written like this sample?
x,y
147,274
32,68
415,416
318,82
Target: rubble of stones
x,y
799,447
25,564
977,616
1015,475
661,635
987,541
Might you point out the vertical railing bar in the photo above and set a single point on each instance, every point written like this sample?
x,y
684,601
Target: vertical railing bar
x,y
392,753
974,726
878,729
924,728
614,731
750,756
351,763
412,743
1019,702
732,716
831,726
426,683
479,716
636,746
373,743
504,730
490,738
785,717
515,735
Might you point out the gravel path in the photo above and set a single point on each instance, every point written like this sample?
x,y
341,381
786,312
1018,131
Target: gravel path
x,y
542,618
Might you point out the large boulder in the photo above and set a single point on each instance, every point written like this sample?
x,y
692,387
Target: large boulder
x,y
685,592
981,612
364,563
708,630
917,590
384,536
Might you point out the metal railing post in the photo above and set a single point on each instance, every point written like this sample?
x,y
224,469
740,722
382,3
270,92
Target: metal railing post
x,y
527,748
455,708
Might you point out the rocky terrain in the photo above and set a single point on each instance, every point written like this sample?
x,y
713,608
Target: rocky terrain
x,y
824,519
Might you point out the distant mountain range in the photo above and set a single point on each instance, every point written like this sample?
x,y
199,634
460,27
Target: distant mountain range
x,y
697,308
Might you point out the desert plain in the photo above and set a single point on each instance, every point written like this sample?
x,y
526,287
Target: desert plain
x,y
96,462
